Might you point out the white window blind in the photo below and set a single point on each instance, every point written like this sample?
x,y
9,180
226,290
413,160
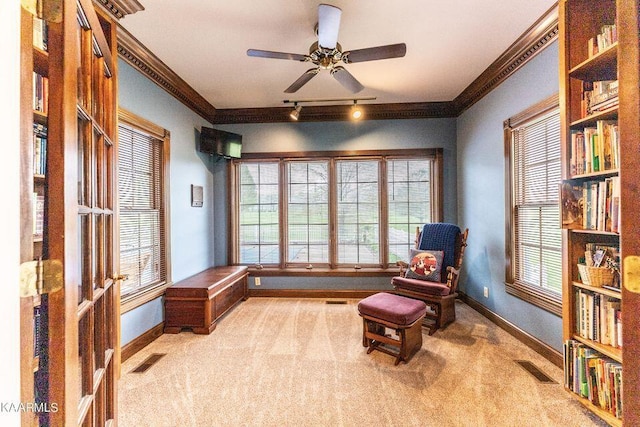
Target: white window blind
x,y
537,173
142,233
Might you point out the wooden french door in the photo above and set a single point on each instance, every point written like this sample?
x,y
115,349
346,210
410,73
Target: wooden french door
x,y
79,352
97,295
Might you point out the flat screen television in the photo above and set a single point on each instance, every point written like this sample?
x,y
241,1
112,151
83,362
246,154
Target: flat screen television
x,y
219,142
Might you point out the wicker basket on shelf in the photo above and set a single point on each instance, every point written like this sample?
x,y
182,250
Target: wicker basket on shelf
x,y
595,276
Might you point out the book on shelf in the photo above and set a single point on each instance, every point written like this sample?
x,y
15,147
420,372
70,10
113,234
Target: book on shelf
x,y
40,33
593,376
37,330
595,149
40,93
39,149
598,96
571,208
608,36
38,215
591,205
597,318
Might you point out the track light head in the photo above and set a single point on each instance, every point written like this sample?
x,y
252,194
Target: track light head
x,y
356,112
295,113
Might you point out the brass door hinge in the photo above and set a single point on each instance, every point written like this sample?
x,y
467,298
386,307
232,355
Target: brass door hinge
x,y
631,269
40,277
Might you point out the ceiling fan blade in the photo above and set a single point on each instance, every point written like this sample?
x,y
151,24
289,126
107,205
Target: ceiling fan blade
x,y
276,55
302,80
328,25
346,79
374,53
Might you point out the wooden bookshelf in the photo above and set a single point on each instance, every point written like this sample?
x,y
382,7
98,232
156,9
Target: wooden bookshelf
x,y
579,21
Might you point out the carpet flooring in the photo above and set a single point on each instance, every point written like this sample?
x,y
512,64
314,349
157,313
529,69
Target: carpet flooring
x,y
300,362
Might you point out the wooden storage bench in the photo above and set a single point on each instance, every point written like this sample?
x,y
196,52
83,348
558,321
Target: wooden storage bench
x,y
198,301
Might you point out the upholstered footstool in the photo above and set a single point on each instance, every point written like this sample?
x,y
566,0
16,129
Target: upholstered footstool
x,y
404,315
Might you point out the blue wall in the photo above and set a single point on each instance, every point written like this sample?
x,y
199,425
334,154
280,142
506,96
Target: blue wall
x,y
336,136
473,184
481,192
192,229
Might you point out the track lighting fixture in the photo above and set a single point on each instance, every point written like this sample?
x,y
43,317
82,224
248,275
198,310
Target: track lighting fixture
x,y
356,112
295,113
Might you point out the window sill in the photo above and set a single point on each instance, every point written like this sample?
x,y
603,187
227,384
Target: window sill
x,y
130,302
320,272
540,298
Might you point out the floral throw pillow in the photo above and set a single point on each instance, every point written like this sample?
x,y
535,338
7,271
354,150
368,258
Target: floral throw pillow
x,y
425,265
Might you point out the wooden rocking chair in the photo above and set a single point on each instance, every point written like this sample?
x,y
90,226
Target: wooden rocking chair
x,y
438,295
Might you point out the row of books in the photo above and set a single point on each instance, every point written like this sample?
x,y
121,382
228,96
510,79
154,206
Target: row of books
x,y
40,33
598,318
38,215
40,93
608,35
595,149
598,96
593,376
591,205
39,149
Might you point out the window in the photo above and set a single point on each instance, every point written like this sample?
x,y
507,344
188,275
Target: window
x,y
142,162
308,212
331,210
409,202
534,244
259,213
358,212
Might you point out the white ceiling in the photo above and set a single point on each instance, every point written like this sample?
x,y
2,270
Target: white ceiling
x,y
449,43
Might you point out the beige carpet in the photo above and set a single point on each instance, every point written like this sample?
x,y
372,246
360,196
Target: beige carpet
x,y
300,362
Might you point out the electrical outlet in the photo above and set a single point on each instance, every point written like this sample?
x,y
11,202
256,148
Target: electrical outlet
x,y
486,292
257,281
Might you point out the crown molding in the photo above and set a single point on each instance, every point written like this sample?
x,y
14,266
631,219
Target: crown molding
x,y
527,46
141,58
329,113
120,8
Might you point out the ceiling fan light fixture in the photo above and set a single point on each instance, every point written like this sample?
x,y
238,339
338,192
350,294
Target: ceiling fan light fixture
x,y
295,113
356,112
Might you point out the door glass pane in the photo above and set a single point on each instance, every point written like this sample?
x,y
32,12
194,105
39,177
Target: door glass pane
x,y
84,276
84,164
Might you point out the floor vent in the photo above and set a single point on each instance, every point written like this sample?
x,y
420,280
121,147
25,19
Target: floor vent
x,y
536,372
148,362
336,301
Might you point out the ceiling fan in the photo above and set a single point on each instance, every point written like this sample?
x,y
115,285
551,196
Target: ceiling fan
x,y
327,53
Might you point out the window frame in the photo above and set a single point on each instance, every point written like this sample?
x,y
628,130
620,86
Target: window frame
x,y
333,268
536,295
149,293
